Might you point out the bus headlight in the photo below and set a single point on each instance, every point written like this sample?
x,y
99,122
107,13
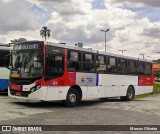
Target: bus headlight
x,y
33,89
38,87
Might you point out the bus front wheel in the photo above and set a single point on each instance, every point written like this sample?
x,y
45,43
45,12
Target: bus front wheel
x,y
73,98
129,95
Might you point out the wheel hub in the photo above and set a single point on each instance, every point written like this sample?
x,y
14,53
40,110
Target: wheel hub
x,y
72,98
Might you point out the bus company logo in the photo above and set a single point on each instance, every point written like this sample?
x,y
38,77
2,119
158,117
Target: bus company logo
x,y
22,74
6,128
70,77
14,72
89,79
83,78
53,83
35,45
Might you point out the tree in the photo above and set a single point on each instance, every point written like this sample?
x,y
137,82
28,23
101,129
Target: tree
x,y
45,32
18,40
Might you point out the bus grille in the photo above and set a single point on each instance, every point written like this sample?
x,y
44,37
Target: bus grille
x,y
21,93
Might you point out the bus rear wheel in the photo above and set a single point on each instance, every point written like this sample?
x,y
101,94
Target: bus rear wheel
x,y
129,95
73,98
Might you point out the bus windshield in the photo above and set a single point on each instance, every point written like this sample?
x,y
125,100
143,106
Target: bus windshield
x,y
27,64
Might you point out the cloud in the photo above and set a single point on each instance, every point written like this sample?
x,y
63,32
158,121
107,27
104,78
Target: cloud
x,y
154,3
74,21
65,7
15,16
153,30
86,27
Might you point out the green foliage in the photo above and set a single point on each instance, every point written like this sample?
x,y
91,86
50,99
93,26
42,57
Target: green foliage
x,y
156,89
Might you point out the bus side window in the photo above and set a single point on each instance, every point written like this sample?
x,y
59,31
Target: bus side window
x,y
132,67
88,62
122,66
148,69
74,61
100,64
112,68
140,69
4,58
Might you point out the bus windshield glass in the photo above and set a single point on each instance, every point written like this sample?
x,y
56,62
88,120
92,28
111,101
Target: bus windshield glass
x,y
27,64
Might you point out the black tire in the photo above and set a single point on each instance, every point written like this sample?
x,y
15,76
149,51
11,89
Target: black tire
x,y
73,98
129,95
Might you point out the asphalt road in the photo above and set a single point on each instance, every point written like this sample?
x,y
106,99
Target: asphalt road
x,y
144,111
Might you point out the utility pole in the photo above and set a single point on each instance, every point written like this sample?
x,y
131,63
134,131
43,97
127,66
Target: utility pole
x,y
150,57
105,31
122,51
142,55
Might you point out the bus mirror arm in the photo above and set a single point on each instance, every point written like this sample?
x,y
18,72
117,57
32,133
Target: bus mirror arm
x,y
8,68
8,55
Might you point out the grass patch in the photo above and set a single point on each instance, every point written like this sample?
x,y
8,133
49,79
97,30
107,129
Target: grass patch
x,y
143,95
156,90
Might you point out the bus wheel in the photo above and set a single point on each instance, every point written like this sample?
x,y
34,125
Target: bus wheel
x,y
130,95
73,98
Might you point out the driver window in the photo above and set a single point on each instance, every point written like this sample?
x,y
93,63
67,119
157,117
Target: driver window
x,y
54,62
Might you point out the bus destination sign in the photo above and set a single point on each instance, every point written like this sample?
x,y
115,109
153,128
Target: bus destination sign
x,y
27,46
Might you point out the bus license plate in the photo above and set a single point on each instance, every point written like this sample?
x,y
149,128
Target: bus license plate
x,y
18,93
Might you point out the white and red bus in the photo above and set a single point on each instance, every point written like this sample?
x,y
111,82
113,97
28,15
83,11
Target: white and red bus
x,y
47,71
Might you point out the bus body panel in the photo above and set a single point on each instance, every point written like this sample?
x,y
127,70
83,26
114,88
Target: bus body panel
x,y
67,79
143,89
101,93
84,92
108,80
4,73
4,78
4,84
38,94
108,86
35,96
21,87
145,80
4,64
60,93
86,79
52,93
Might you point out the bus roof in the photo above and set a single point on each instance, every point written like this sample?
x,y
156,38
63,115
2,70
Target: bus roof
x,y
93,51
2,47
86,50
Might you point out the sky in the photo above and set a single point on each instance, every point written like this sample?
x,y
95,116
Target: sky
x,y
134,24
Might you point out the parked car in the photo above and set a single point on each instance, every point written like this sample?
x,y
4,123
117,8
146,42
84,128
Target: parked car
x,y
156,79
